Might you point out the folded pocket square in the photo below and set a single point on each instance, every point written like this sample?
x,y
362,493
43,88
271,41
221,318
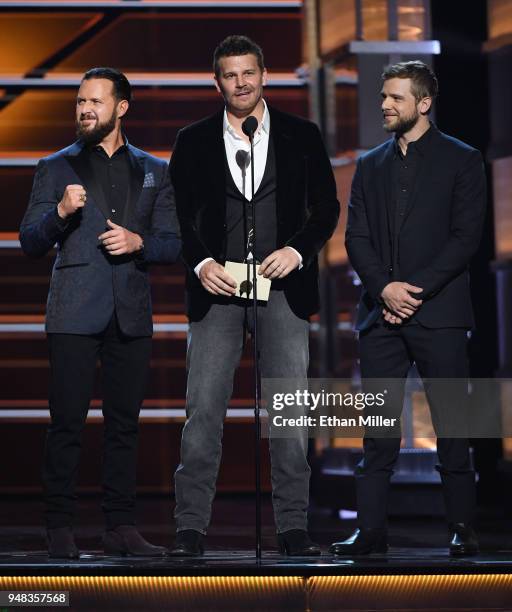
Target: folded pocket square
x,y
149,180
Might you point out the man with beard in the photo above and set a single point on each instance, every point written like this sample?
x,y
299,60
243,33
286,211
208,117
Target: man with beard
x,y
109,208
296,212
415,218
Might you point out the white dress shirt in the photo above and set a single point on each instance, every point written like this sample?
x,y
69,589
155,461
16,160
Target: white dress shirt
x,y
233,144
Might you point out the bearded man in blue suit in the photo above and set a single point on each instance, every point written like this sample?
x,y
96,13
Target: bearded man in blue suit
x,y
109,209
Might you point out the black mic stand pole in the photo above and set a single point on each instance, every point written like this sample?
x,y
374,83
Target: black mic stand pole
x,y
257,421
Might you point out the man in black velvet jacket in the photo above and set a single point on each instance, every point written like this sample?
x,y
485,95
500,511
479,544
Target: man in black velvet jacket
x,y
415,218
109,208
296,212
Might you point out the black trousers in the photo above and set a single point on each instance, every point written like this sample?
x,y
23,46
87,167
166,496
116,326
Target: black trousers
x,y
124,367
388,352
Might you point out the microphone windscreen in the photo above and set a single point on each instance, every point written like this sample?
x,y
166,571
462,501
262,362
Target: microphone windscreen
x,y
250,125
242,159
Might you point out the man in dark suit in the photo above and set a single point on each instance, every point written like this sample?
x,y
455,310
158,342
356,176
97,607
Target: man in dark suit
x,y
109,208
415,218
296,212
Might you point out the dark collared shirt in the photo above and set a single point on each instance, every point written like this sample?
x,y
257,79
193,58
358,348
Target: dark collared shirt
x,y
112,174
404,172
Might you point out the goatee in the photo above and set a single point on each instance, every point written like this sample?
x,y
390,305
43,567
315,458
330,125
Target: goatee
x,y
95,135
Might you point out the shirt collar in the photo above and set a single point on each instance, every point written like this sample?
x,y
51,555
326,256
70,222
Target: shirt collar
x,y
420,145
121,149
263,126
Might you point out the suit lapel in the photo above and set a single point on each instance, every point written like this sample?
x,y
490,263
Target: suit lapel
x,y
284,158
214,160
137,173
77,159
385,182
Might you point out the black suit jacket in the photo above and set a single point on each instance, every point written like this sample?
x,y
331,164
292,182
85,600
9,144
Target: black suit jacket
x,y
307,208
438,235
87,283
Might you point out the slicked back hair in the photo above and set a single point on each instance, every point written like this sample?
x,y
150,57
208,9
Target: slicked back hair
x,y
121,86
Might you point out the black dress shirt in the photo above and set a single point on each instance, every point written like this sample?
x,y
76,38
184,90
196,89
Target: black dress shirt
x,y
112,174
404,171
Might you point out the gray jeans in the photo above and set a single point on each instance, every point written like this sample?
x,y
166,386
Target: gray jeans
x,y
215,346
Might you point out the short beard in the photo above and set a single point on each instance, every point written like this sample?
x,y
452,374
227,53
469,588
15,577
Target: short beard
x,y
97,134
245,111
404,124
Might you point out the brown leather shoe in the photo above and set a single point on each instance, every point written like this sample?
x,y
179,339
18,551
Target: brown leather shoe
x,y
61,543
125,540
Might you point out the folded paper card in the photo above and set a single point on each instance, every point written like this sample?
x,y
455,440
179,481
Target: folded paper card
x,y
242,273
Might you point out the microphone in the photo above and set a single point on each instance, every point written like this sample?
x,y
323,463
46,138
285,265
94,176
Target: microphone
x,y
242,159
249,126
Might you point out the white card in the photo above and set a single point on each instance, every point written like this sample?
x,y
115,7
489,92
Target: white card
x,y
243,271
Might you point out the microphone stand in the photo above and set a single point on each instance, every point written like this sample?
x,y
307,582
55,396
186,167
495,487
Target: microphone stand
x,y
257,421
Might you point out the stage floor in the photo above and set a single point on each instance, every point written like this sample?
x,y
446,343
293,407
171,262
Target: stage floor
x,y
405,580
416,574
403,561
232,527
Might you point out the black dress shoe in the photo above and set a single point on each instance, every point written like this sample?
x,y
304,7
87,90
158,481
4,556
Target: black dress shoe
x,y
61,543
297,543
363,541
189,543
463,540
126,541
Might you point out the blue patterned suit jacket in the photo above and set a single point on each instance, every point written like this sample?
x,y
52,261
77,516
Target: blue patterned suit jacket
x,y
87,284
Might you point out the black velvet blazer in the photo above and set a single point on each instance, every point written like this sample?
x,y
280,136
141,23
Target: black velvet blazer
x,y
307,207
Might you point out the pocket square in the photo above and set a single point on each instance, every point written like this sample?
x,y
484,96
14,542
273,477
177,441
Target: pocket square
x,y
149,180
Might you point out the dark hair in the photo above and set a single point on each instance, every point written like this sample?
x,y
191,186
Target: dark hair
x,y
121,85
236,45
423,80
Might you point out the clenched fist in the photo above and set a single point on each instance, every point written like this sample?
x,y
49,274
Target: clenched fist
x,y
120,241
74,198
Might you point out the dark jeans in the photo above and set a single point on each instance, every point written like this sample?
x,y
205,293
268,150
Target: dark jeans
x,y
124,363
388,352
214,349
